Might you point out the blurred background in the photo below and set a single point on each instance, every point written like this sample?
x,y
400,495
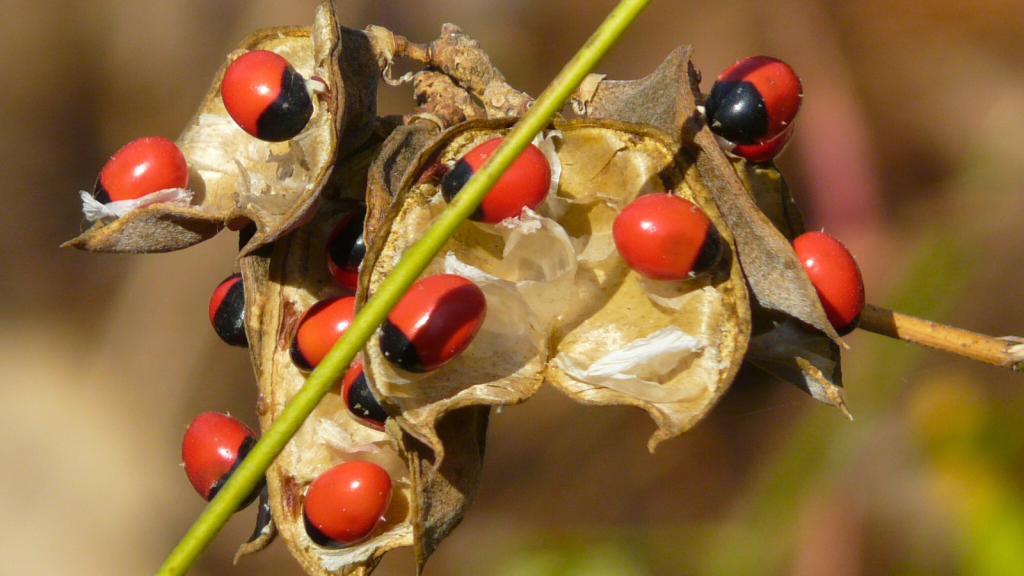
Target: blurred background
x,y
910,149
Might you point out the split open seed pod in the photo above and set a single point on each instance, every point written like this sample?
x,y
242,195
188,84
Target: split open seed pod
x,y
235,178
283,281
759,211
561,304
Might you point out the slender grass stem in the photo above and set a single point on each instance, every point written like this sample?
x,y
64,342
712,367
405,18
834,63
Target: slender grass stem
x,y
416,259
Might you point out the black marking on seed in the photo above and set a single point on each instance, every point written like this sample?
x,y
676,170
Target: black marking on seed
x,y
737,112
289,113
849,328
363,403
243,451
347,248
318,537
710,251
454,180
229,319
399,350
297,357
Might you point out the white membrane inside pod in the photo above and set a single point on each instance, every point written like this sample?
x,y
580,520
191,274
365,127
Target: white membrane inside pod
x,y
541,259
510,321
545,142
94,210
337,439
637,367
675,294
595,248
252,162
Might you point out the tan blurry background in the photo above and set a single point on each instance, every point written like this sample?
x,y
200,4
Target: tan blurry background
x,y
910,148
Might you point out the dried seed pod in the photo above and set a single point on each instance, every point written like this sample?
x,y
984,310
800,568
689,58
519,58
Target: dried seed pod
x,y
782,346
561,302
758,209
236,178
282,282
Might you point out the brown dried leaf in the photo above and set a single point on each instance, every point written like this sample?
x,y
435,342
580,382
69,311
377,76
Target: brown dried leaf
x,y
400,151
237,178
265,531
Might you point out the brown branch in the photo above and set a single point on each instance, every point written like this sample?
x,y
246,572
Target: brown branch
x,y
1007,353
437,94
459,57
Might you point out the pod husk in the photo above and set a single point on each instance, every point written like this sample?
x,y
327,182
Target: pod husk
x,y
282,280
780,345
237,178
531,320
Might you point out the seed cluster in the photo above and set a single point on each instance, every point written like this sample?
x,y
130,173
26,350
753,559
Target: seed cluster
x,y
580,316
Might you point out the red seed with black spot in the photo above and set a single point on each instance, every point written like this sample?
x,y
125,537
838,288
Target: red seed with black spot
x,y
346,249
266,97
212,448
835,276
524,185
345,504
359,399
141,167
319,328
433,323
227,311
754,100
666,237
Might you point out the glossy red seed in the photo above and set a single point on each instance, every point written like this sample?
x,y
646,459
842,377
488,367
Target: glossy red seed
x,y
359,399
524,185
345,503
754,100
835,276
764,152
227,311
142,167
346,249
666,237
433,323
319,328
265,96
213,445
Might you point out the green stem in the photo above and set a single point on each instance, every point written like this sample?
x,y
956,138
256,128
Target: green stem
x,y
394,287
